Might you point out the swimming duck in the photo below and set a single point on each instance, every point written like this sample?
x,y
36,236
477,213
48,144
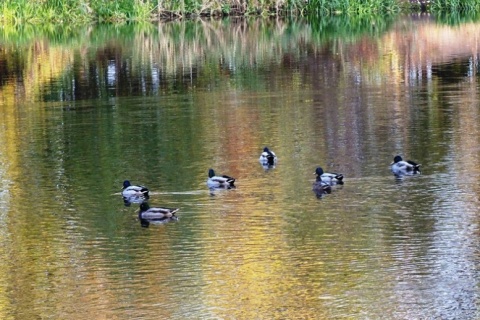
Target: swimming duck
x,y
400,167
331,178
156,214
130,190
321,187
223,182
268,157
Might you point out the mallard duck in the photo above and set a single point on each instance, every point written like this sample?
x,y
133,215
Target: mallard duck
x,y
400,167
268,157
156,214
130,190
224,182
331,178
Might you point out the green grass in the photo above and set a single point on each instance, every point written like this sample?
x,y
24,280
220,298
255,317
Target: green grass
x,y
455,5
18,12
81,12
351,7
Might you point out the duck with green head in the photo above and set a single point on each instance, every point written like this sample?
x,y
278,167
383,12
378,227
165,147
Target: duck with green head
x,y
147,215
219,182
401,167
268,158
133,193
130,190
331,178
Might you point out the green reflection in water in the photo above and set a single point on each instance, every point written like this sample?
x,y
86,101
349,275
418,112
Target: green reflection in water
x,y
457,18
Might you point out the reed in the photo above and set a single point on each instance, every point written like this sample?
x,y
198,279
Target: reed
x,y
455,5
84,11
350,7
19,12
75,12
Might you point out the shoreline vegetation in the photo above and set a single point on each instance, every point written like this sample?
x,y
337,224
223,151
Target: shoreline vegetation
x,y
78,12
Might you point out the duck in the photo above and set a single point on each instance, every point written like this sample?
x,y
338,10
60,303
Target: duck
x,y
331,178
219,182
401,167
156,214
132,191
321,187
268,157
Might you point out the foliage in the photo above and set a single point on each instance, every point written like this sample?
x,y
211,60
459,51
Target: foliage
x,y
455,5
82,12
16,12
360,7
74,12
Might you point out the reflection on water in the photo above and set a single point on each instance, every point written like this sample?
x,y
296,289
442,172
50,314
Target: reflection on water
x,y
162,106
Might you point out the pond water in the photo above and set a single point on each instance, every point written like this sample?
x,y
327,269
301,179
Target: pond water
x,y
83,110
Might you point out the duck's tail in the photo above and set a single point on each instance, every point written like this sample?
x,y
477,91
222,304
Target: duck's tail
x,y
144,191
173,211
230,181
335,178
416,166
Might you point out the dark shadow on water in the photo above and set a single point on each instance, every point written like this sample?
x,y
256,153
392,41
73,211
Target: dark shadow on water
x,y
146,223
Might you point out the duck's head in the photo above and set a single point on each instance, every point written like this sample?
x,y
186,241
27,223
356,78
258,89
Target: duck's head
x,y
126,184
144,206
266,150
319,171
397,159
211,173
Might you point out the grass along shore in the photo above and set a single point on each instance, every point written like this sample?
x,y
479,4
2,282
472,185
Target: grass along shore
x,y
16,12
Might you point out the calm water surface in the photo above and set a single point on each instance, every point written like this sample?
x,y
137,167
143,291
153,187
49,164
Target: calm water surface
x,y
82,112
